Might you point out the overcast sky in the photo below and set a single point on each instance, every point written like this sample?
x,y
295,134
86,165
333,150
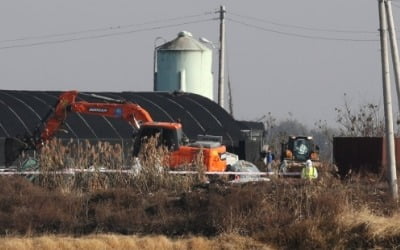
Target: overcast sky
x,y
288,57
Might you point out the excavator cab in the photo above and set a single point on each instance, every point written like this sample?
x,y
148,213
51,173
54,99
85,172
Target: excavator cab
x,y
168,134
182,153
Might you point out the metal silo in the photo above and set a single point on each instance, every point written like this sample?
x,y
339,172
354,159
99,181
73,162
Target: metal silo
x,y
184,64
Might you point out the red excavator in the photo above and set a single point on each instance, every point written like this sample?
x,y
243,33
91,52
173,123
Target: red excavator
x,y
170,134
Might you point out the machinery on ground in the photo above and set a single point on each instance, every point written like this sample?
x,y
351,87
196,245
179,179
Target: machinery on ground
x,y
296,151
169,134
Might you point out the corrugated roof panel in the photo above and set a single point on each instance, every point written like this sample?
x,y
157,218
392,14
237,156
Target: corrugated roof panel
x,y
184,41
176,111
18,115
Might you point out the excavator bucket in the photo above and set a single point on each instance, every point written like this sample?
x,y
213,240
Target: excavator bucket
x,y
13,148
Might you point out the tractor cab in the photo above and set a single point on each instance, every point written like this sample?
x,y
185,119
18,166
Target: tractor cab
x,y
296,151
301,147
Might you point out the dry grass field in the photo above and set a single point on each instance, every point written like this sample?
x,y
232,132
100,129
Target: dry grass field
x,y
106,242
154,210
283,213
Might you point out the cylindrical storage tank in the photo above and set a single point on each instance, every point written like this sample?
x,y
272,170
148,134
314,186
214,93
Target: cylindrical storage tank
x,y
184,64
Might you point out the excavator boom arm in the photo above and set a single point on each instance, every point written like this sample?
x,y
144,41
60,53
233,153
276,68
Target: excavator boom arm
x,y
67,103
55,120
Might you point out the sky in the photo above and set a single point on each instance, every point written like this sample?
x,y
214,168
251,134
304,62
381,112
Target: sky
x,y
293,59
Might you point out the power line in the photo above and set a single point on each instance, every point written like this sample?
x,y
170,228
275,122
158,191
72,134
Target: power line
x,y
395,4
111,28
102,35
301,35
303,27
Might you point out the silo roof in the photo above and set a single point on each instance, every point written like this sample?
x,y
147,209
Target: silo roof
x,y
184,41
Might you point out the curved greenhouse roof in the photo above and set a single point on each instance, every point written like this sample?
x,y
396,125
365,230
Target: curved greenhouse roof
x,y
21,112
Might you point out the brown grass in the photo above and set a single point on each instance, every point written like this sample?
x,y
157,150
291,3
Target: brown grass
x,y
153,176
284,213
56,155
105,242
377,230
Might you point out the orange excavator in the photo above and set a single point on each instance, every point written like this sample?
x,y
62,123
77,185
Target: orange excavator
x,y
170,134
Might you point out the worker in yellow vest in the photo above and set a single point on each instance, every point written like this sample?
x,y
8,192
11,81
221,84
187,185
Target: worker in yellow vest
x,y
309,171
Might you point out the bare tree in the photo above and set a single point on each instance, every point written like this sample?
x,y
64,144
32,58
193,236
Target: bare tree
x,y
367,120
278,131
323,137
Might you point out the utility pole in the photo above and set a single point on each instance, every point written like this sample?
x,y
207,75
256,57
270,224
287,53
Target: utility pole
x,y
391,159
394,47
395,60
230,96
221,62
